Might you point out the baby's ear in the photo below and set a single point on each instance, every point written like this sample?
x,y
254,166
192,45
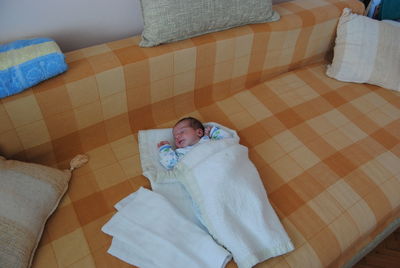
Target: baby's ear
x,y
199,132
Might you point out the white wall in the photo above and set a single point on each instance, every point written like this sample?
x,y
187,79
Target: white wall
x,y
72,23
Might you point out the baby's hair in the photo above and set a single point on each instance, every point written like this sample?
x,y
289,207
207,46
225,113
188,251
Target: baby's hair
x,y
193,123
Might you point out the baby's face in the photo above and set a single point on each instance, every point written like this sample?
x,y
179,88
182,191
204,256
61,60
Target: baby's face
x,y
185,135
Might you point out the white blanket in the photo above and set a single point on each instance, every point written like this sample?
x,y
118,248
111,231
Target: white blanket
x,y
149,232
226,187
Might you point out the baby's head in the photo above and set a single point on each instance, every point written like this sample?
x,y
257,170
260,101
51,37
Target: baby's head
x,y
187,131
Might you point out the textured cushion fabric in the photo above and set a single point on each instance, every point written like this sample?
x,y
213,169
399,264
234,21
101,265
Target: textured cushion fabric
x,y
25,63
29,193
172,20
366,51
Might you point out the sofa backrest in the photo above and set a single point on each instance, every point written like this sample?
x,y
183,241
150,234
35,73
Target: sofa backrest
x,y
115,89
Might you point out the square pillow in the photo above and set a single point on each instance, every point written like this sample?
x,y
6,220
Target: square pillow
x,y
366,51
29,193
172,20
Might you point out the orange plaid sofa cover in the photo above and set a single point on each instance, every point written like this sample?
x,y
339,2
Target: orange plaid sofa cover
x,y
327,151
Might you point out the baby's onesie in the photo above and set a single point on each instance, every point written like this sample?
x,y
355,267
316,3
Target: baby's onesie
x,y
170,157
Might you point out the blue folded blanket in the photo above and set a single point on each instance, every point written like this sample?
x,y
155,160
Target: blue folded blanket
x,y
25,63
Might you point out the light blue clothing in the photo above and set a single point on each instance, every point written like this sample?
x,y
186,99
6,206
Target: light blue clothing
x,y
170,157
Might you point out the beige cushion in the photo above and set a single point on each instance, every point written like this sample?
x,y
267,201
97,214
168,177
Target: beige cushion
x,y
29,193
172,20
366,51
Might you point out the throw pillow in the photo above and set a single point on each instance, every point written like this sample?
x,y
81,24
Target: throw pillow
x,y
172,20
29,193
366,51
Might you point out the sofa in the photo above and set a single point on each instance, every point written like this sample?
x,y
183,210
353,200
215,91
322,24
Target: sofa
x,y
327,151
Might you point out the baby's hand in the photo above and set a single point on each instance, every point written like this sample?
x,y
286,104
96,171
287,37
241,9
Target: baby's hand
x,y
161,143
207,130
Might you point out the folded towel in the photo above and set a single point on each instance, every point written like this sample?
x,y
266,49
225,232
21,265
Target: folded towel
x,y
226,187
25,63
149,232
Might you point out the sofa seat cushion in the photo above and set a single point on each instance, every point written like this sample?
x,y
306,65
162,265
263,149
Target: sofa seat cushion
x,y
327,152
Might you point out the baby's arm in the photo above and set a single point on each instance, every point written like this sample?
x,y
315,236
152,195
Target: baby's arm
x,y
168,157
216,133
161,143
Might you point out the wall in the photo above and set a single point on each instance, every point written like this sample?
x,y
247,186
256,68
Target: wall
x,y
72,23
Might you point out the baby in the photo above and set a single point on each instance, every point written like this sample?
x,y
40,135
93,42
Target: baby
x,y
187,133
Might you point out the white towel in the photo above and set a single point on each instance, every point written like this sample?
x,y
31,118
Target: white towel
x,y
149,232
225,185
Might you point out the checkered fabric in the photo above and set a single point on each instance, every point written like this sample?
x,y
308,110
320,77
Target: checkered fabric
x,y
327,151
